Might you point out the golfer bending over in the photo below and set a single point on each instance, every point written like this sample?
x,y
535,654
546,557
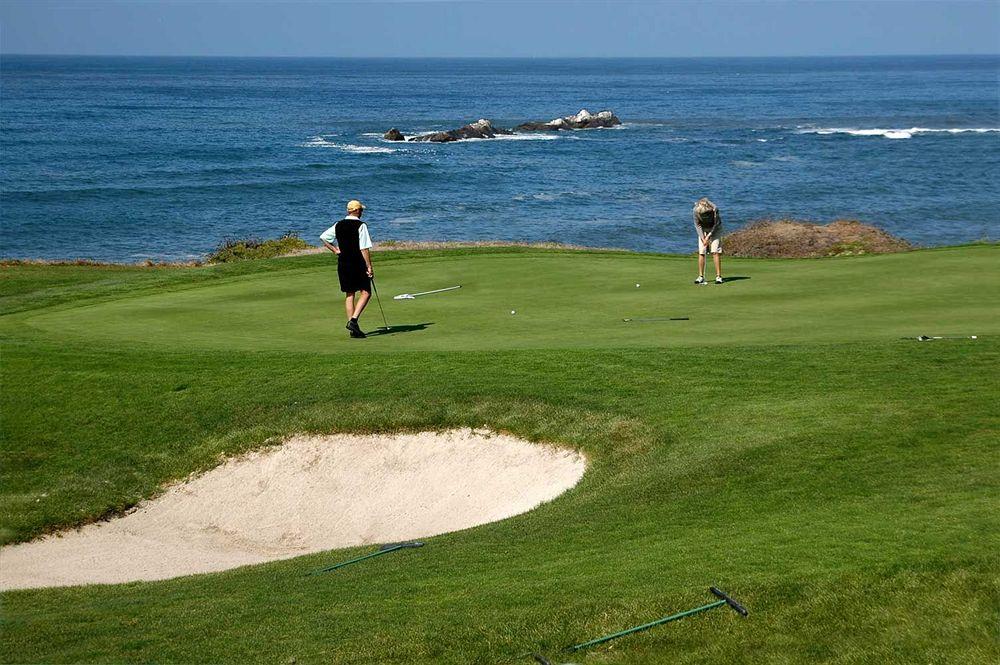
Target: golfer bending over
x,y
708,224
354,262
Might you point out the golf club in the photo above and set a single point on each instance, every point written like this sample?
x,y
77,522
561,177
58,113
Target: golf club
x,y
724,599
384,549
926,338
657,318
379,301
411,296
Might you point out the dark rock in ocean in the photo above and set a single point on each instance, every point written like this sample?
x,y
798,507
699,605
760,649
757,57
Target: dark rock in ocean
x,y
481,129
582,120
394,135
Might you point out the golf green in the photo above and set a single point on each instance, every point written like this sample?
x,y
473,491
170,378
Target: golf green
x,y
557,300
784,443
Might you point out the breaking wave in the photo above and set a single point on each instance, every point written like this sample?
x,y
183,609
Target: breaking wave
x,y
321,142
896,133
500,137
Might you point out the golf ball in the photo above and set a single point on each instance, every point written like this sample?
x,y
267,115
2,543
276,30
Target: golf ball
x,y
513,312
637,286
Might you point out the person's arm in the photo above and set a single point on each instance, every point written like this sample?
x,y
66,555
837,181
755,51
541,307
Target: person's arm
x,y
368,261
702,236
365,244
328,237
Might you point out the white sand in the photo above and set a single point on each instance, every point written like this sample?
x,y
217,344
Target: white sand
x,y
310,494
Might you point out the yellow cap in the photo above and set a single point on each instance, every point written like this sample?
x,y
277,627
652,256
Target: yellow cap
x,y
354,204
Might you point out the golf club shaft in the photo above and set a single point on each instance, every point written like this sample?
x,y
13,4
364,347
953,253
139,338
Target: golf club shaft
x,y
379,301
357,559
425,293
646,626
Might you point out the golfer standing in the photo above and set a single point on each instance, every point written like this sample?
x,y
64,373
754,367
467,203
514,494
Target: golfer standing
x,y
708,224
354,262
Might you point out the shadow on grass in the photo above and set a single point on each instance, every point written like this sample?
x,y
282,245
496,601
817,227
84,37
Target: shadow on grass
x,y
726,280
392,330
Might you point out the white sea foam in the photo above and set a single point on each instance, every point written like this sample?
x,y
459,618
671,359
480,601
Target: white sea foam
x,y
897,133
510,137
320,142
403,221
746,164
550,196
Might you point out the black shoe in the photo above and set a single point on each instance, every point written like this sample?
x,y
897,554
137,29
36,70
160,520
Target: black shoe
x,y
355,329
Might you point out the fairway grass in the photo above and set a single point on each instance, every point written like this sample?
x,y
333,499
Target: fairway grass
x,y
783,444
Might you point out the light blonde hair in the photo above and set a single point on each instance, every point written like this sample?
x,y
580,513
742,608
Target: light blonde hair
x,y
703,205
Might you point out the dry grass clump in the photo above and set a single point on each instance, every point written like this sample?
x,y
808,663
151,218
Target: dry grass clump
x,y
242,249
786,238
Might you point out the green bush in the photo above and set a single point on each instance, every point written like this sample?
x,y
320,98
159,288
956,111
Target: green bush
x,y
237,249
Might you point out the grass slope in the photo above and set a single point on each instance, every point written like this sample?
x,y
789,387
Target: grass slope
x,y
783,444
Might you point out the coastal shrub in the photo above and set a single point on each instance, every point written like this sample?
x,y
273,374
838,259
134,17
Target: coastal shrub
x,y
787,238
242,249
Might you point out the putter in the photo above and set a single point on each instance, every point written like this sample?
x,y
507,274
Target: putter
x,y
411,296
379,301
657,318
926,338
384,549
724,599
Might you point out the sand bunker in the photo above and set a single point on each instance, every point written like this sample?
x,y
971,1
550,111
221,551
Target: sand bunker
x,y
310,494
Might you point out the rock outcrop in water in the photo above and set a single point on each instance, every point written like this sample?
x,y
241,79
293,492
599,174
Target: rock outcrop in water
x,y
582,120
480,129
484,129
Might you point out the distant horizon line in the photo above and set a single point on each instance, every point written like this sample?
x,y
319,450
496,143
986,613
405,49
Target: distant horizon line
x,y
500,57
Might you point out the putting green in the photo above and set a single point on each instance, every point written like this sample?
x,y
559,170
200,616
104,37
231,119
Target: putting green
x,y
562,300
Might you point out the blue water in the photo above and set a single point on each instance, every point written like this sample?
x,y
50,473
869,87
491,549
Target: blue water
x,y
132,158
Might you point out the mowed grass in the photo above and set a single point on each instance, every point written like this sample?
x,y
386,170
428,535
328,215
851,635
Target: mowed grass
x,y
562,301
783,444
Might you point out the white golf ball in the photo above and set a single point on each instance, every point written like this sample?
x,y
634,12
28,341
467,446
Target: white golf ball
x,y
513,312
637,286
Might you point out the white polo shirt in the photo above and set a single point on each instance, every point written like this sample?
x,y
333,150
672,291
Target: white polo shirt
x,y
364,240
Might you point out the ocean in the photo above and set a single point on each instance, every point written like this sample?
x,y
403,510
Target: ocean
x,y
127,159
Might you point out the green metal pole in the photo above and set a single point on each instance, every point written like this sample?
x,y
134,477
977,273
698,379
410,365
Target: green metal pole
x,y
356,559
645,626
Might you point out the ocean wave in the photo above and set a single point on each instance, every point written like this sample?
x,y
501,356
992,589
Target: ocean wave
x,y
527,137
550,196
404,220
896,133
320,142
506,137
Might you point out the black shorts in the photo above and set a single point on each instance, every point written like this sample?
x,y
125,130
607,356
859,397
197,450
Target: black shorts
x,y
353,277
